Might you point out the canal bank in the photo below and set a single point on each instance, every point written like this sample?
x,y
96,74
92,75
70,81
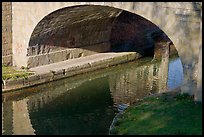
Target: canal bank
x,y
170,113
68,68
86,103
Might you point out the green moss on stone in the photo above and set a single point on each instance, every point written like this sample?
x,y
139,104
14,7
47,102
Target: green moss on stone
x,y
11,73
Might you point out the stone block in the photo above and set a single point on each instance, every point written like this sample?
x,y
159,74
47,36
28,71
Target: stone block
x,y
43,59
58,74
85,70
32,80
13,83
83,66
33,61
57,56
120,59
46,77
77,69
102,62
69,54
70,72
133,56
77,53
7,60
88,52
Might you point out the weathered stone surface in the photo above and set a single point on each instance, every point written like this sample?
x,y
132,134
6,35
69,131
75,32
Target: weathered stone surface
x,y
133,55
45,77
43,60
58,74
198,92
33,61
6,33
57,56
13,83
70,29
121,59
76,53
7,60
32,80
161,50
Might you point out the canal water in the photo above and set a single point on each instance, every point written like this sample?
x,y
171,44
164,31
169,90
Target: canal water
x,y
87,104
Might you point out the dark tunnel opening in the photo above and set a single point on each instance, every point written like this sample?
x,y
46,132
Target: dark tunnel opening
x,y
90,29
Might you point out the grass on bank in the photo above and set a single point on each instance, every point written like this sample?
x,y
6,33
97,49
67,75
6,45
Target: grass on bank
x,y
9,72
163,115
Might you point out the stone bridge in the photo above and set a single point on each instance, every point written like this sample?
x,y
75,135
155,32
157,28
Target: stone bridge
x,y
41,33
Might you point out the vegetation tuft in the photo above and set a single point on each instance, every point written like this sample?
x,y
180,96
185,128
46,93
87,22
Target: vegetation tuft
x,y
9,72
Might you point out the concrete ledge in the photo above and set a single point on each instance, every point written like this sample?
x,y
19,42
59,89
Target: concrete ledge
x,y
69,68
66,54
45,77
31,80
13,83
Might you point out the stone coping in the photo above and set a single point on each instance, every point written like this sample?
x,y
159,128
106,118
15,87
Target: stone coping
x,y
68,68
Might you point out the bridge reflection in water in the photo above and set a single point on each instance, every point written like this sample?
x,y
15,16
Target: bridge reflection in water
x,y
133,84
86,104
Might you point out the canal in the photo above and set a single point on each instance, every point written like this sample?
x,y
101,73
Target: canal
x,y
87,104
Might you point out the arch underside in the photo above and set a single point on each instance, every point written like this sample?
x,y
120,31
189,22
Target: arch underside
x,y
78,31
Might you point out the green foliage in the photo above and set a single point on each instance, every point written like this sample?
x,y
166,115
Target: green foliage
x,y
11,73
162,115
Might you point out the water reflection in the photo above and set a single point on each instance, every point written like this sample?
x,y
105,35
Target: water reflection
x,y
86,104
133,84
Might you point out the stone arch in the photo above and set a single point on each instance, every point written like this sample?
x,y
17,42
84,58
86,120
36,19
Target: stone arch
x,y
82,30
182,22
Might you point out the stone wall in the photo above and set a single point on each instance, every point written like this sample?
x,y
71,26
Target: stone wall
x,y
71,32
6,33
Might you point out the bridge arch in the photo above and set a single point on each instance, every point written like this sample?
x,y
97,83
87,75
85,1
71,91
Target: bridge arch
x,y
82,30
180,21
176,19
